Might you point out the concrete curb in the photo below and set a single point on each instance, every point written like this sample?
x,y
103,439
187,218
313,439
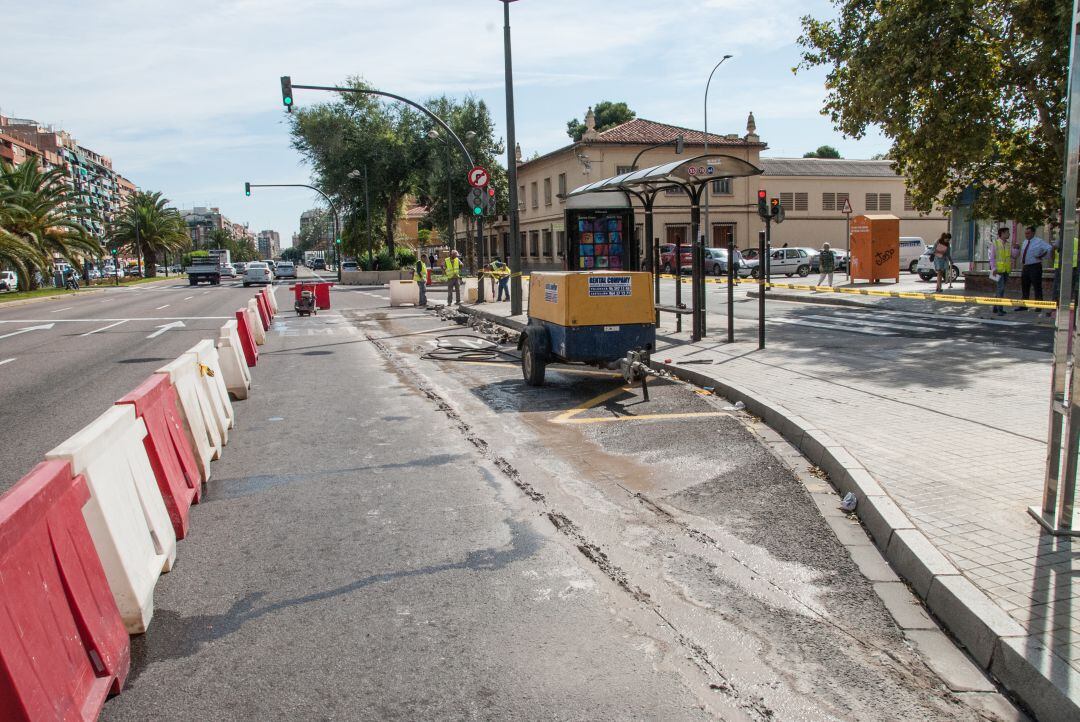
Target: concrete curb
x,y
1037,676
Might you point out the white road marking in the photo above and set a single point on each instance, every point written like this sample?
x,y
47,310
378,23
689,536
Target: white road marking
x,y
103,328
165,327
830,326
134,318
65,308
6,361
43,327
189,298
161,307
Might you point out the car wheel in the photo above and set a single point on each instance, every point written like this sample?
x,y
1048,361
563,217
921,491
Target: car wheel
x,y
914,267
667,268
532,366
926,276
716,270
246,284
954,273
755,273
803,271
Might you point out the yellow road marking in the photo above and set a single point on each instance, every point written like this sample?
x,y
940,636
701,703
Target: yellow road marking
x,y
570,416
586,405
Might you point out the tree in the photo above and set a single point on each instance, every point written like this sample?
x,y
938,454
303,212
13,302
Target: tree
x,y
823,151
292,254
608,115
149,226
41,210
972,95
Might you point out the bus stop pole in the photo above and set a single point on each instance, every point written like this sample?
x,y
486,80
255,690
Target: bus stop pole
x,y
764,241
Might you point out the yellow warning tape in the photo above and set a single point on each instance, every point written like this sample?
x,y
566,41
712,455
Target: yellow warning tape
x,y
918,295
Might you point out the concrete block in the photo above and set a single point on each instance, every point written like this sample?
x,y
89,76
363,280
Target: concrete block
x,y
862,483
904,607
958,672
1042,679
970,615
872,565
836,460
848,532
882,517
814,443
916,559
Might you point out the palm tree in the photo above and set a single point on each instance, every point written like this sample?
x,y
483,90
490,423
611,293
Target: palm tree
x,y
149,226
38,212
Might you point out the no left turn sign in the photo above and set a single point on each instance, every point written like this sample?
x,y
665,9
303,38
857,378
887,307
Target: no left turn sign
x,y
478,177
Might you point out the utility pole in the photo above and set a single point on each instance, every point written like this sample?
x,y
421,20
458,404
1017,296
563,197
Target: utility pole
x,y
511,170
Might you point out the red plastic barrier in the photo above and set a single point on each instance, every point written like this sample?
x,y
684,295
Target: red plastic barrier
x,y
171,457
322,293
63,646
264,311
247,340
266,297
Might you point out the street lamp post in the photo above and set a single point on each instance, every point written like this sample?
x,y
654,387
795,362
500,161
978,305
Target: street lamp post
x,y
511,169
333,208
451,240
708,227
367,214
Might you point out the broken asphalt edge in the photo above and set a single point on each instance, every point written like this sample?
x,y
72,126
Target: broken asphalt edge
x,y
1039,677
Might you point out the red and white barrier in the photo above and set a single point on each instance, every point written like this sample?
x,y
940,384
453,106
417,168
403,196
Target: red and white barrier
x,y
126,515
199,423
63,646
247,338
255,322
210,376
271,296
168,448
234,368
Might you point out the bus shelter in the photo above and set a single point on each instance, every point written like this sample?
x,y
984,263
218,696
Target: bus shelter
x,y
691,176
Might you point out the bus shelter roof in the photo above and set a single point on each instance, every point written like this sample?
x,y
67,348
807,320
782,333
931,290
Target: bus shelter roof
x,y
689,172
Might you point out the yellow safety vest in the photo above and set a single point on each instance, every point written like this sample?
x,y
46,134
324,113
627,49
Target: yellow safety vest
x,y
500,271
1057,254
453,268
1002,257
422,276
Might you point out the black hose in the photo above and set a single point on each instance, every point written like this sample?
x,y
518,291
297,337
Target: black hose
x,y
447,350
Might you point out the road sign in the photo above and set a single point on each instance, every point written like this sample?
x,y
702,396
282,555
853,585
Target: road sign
x,y
478,177
847,207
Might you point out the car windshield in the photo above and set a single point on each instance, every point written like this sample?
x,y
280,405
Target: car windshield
x,y
253,266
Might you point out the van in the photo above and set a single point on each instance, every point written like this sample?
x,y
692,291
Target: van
x,y
911,247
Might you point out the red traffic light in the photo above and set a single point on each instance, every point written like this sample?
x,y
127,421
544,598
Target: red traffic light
x,y
761,195
491,191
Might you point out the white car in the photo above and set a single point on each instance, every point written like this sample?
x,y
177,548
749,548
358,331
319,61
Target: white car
x,y
286,269
9,280
787,261
227,270
257,273
925,267
911,247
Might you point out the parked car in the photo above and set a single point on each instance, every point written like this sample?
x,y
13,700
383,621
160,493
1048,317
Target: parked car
x,y
257,272
925,267
749,254
349,266
9,280
133,272
787,261
93,274
667,257
716,263
286,269
911,248
228,271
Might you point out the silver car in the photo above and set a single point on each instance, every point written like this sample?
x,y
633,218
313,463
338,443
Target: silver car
x,y
286,269
257,273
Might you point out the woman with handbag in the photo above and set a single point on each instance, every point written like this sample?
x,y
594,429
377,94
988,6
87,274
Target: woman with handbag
x,y
943,260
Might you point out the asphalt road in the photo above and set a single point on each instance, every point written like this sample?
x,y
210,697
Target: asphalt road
x,y
390,536
64,361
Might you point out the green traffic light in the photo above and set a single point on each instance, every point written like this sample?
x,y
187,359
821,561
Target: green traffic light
x,y
477,210
337,241
288,100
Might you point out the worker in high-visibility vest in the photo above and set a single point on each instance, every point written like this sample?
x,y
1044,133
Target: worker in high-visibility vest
x,y
1057,271
502,274
453,278
420,275
1000,265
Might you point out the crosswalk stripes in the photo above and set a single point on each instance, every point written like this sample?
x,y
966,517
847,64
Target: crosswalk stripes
x,y
788,321
893,323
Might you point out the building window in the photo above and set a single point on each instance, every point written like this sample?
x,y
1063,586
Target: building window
x,y
562,184
802,201
560,238
828,202
620,169
909,205
534,242
547,191
884,201
794,201
547,244
521,198
535,195
676,191
722,187
524,245
871,201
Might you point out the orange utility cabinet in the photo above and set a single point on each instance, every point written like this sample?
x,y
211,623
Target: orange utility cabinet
x,y
875,248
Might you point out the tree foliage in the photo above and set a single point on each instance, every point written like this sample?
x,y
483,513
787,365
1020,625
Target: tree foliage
x,y
823,151
608,115
970,93
148,226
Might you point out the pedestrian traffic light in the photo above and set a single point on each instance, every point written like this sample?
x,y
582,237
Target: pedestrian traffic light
x,y
286,92
762,204
247,189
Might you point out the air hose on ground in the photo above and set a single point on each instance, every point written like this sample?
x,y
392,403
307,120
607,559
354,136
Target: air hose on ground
x,y
453,347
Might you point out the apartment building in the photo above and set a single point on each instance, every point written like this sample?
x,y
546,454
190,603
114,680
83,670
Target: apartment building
x,y
812,191
269,244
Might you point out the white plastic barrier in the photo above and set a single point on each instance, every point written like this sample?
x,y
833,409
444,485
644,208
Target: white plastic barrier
x,y
213,381
404,293
468,290
255,322
234,367
126,515
272,297
198,414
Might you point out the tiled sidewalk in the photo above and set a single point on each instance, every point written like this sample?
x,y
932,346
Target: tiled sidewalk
x,y
962,459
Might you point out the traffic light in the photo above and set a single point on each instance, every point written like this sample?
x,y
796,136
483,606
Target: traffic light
x,y
337,241
115,252
286,92
762,204
777,211
247,189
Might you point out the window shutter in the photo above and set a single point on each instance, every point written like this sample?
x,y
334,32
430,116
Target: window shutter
x,y
909,205
885,201
787,201
828,201
802,201
871,201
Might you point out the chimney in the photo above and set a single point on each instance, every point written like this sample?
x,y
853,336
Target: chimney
x,y
751,129
590,125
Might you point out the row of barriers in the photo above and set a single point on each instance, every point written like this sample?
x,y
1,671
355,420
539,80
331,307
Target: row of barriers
x,y
86,534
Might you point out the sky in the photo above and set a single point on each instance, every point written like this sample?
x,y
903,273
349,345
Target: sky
x,y
185,96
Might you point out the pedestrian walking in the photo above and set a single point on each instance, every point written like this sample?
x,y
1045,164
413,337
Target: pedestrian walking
x,y
1000,265
827,262
420,277
453,278
943,260
502,273
1032,253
